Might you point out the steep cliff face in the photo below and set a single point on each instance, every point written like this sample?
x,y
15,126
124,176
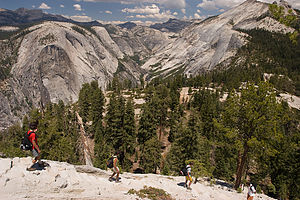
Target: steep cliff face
x,y
54,59
50,61
205,44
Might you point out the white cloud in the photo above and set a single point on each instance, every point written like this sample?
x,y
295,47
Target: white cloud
x,y
198,11
183,10
167,3
77,7
33,6
138,22
81,18
207,5
175,13
62,6
197,16
44,6
108,12
179,4
140,16
173,3
153,9
158,16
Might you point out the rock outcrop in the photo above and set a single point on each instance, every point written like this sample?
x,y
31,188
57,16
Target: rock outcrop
x,y
65,181
205,44
52,60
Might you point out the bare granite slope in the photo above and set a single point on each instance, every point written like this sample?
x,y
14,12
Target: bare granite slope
x,y
65,181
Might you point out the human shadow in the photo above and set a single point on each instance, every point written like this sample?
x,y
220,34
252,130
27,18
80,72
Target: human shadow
x,y
182,184
224,184
37,166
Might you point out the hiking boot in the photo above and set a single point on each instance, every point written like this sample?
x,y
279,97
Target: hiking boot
x,y
31,169
189,188
43,164
118,181
110,179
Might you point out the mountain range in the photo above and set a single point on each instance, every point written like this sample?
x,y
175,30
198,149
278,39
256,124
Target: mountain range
x,y
50,60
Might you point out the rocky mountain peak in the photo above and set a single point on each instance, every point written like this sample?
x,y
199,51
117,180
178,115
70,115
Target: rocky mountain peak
x,y
55,58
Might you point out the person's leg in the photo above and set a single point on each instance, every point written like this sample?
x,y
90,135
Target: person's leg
x,y
186,181
117,177
118,174
191,180
36,156
113,175
250,198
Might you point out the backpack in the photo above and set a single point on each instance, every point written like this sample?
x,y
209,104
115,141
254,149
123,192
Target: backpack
x,y
110,162
26,144
252,189
184,171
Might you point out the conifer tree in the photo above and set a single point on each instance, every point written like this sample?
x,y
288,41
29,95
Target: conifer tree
x,y
115,121
129,128
147,125
187,144
84,101
151,155
96,107
253,120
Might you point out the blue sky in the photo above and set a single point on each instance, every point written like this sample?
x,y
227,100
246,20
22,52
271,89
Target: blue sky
x,y
139,11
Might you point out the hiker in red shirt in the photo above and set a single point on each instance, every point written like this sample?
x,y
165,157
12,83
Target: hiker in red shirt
x,y
36,152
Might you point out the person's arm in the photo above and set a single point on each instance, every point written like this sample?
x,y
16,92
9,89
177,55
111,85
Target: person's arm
x,y
36,146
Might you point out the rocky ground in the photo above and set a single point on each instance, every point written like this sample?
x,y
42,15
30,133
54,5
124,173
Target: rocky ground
x,y
65,181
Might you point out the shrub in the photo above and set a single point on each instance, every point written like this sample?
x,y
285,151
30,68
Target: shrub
x,y
151,193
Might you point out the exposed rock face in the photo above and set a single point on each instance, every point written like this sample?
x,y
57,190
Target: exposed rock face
x,y
172,25
54,59
205,44
65,181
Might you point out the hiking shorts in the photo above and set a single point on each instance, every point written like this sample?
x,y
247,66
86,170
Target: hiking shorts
x,y
116,171
188,178
35,153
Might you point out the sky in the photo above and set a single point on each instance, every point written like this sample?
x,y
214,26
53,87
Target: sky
x,y
138,11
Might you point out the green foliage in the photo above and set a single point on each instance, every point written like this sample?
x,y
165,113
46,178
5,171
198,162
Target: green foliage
x,y
258,189
11,140
147,125
252,119
239,190
151,155
120,128
279,14
47,39
283,191
199,169
84,101
57,134
151,193
271,189
57,128
79,30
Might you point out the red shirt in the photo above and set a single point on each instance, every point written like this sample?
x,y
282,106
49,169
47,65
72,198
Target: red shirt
x,y
32,137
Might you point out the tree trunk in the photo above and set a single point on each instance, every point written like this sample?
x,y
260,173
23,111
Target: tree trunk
x,y
241,167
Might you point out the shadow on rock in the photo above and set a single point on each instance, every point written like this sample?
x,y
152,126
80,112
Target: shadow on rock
x,y
182,184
